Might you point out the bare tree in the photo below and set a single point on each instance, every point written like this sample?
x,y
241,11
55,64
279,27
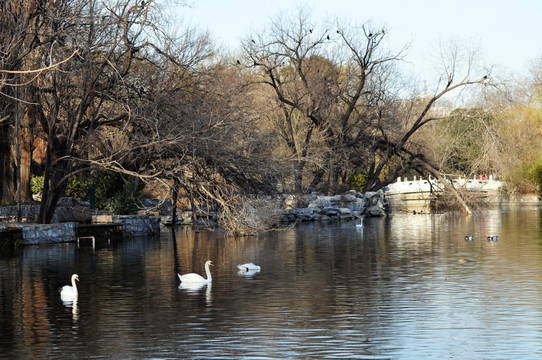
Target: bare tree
x,y
229,163
20,66
193,132
149,110
342,82
468,143
95,92
399,154
326,76
17,22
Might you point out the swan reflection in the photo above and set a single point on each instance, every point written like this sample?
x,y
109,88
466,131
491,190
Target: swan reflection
x,y
74,306
195,288
69,303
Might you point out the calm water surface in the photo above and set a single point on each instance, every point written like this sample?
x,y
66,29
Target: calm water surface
x,y
392,290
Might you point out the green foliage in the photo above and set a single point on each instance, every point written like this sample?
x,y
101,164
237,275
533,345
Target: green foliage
x,y
357,180
121,204
36,185
519,131
106,185
113,193
534,174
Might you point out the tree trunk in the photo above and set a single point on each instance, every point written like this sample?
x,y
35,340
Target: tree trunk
x,y
25,150
53,184
298,176
8,168
456,193
50,198
317,179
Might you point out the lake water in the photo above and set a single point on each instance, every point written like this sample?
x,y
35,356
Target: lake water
x,y
395,289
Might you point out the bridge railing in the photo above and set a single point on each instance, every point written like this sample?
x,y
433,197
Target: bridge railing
x,y
404,185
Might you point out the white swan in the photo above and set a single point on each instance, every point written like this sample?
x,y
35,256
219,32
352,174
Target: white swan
x,y
193,287
69,293
249,267
196,278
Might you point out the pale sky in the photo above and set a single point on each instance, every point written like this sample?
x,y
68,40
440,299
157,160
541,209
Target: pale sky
x,y
508,34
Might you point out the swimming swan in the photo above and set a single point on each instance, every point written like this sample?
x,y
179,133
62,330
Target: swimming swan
x,y
196,278
69,293
249,267
193,287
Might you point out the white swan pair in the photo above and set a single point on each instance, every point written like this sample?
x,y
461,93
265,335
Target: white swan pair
x,y
69,293
198,279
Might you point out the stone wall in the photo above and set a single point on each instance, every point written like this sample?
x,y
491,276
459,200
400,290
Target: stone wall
x,y
132,225
65,224
29,213
32,234
49,233
349,206
68,210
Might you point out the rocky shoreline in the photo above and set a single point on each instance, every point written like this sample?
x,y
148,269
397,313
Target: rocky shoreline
x,y
72,215
301,208
352,205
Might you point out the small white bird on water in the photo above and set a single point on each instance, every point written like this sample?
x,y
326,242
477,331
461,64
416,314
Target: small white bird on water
x,y
196,278
360,224
249,267
69,293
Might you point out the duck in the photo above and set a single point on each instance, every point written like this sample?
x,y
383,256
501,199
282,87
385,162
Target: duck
x,y
69,293
249,267
492,238
468,238
196,278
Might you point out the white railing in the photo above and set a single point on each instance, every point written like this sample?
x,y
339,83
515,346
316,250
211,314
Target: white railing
x,y
433,184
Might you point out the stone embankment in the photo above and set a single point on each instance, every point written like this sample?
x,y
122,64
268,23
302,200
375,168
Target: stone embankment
x,y
71,218
314,207
349,206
